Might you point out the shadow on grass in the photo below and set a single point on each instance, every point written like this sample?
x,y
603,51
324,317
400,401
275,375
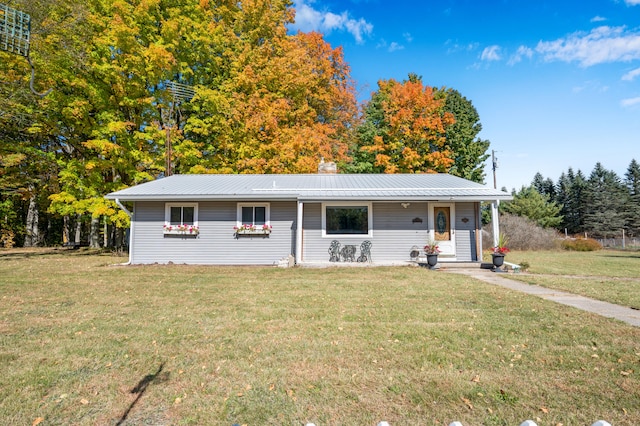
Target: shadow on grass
x,y
24,253
622,256
141,388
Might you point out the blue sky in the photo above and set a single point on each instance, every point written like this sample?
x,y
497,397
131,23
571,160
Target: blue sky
x,y
556,83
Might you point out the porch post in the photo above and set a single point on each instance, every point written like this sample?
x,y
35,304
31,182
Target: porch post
x,y
299,232
495,221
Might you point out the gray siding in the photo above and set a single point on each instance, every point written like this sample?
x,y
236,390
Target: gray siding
x,y
216,243
394,232
465,226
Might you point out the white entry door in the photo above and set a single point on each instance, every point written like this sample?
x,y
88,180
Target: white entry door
x,y
441,225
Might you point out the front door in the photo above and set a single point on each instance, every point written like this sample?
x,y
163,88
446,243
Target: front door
x,y
441,220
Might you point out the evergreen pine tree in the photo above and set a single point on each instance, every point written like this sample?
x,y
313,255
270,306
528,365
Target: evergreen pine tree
x,y
606,198
632,181
571,196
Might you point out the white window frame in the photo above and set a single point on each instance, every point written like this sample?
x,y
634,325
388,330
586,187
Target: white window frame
x,y
368,205
167,212
267,213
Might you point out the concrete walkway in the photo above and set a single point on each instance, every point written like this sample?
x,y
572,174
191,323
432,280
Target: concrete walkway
x,y
609,310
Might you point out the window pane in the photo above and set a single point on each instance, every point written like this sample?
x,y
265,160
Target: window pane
x,y
347,220
261,215
176,215
187,215
247,215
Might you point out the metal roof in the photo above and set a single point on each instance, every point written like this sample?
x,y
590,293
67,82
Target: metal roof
x,y
311,187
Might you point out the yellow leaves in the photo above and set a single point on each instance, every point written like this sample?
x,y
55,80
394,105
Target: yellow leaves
x,y
37,421
102,145
158,58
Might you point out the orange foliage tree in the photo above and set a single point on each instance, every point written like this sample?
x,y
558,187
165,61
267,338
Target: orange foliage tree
x,y
288,101
404,130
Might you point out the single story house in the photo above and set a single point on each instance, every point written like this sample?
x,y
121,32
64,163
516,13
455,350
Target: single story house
x,y
305,218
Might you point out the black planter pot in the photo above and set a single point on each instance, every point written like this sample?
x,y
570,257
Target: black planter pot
x,y
432,260
498,259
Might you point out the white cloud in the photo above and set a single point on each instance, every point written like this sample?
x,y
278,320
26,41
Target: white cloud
x,y
601,45
491,53
408,37
310,19
632,2
591,86
395,46
453,47
598,19
631,75
630,102
523,51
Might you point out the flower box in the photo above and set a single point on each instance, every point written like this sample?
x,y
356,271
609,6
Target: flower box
x,y
253,231
250,230
182,230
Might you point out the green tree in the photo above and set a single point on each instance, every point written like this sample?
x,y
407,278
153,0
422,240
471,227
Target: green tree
x,y
528,202
571,195
469,151
544,186
632,182
606,198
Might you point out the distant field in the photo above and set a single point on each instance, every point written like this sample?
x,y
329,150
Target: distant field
x,y
83,342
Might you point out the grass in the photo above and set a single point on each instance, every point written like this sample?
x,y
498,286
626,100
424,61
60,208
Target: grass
x,y
83,342
608,275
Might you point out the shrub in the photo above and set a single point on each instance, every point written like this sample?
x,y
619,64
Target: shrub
x,y
522,233
581,244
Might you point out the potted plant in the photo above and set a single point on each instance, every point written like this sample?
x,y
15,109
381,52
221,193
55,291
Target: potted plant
x,y
432,250
499,251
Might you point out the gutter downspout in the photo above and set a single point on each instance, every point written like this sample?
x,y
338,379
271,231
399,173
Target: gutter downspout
x,y
124,209
299,233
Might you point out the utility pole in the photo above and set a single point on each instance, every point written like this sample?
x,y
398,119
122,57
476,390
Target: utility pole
x,y
494,160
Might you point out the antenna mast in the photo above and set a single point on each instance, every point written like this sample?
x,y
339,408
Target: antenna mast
x,y
15,37
180,92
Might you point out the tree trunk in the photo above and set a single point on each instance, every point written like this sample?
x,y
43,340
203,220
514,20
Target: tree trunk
x,y
78,237
66,230
94,234
32,238
119,238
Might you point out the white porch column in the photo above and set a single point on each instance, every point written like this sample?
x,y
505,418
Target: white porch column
x,y
299,233
495,223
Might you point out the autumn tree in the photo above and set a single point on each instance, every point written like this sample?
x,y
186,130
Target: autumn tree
x,y
291,103
265,100
405,130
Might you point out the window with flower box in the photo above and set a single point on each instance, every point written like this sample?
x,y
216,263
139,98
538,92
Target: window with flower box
x,y
181,219
253,219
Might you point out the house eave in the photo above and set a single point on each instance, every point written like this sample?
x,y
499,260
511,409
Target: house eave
x,y
316,199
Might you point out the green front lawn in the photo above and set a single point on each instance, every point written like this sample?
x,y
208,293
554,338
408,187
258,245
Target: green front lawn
x,y
83,342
